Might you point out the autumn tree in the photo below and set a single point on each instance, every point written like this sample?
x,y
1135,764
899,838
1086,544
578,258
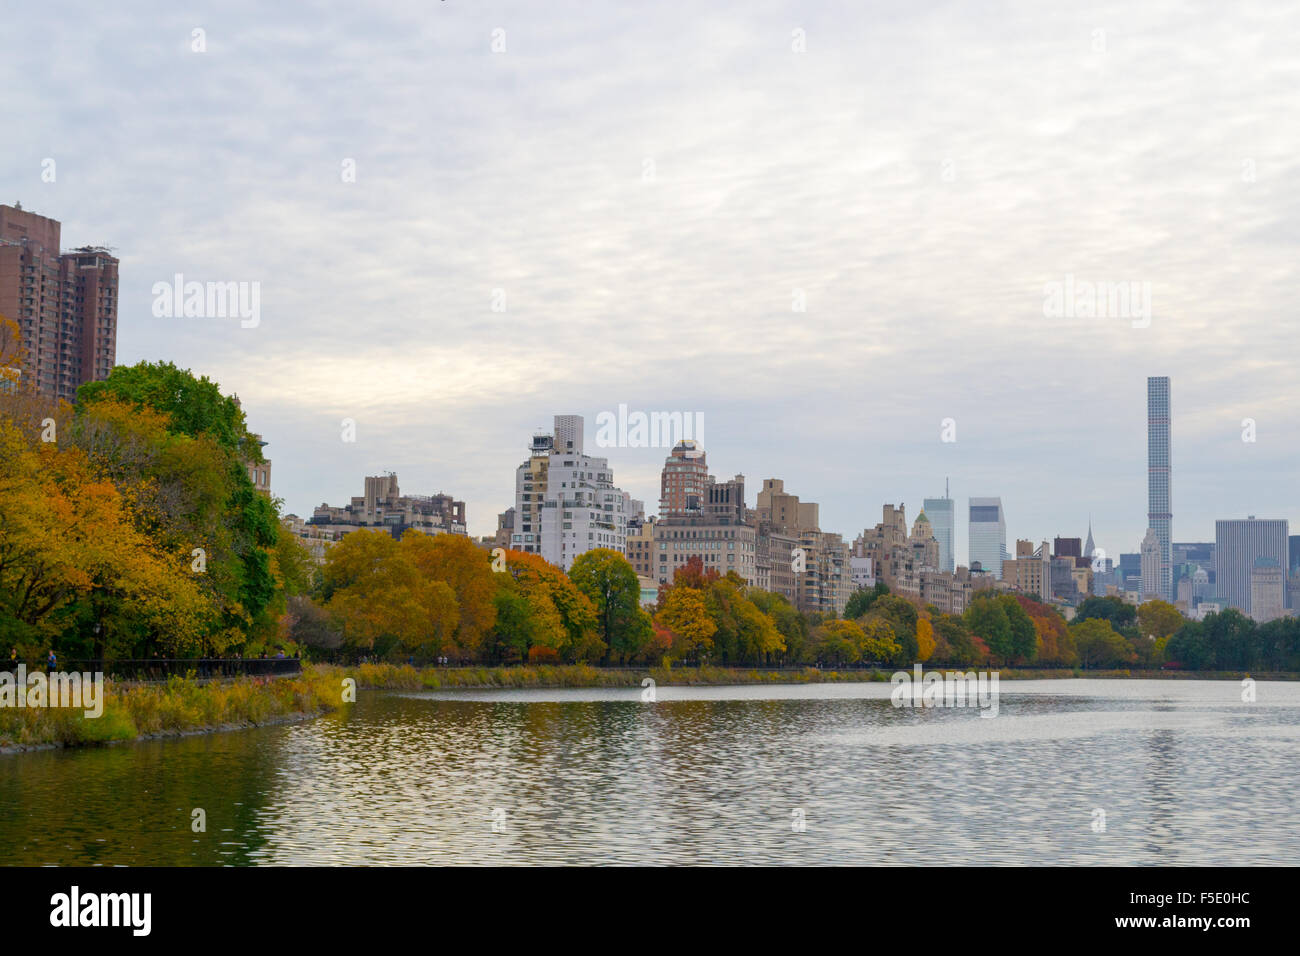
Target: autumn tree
x,y
686,617
466,569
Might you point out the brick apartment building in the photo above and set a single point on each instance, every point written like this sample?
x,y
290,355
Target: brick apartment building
x,y
65,303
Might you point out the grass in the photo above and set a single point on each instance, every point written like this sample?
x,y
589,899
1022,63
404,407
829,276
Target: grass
x,y
180,705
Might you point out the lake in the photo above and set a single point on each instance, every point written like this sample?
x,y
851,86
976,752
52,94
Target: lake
x,y
1170,772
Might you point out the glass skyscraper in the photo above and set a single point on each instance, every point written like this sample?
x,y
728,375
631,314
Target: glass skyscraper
x,y
1159,516
988,534
943,522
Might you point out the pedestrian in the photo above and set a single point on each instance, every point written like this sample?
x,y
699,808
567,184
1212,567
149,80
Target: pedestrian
x,y
51,662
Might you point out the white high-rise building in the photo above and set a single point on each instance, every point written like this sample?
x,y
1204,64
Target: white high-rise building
x,y
565,500
987,537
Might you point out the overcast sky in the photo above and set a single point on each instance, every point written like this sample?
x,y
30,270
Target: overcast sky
x,y
652,186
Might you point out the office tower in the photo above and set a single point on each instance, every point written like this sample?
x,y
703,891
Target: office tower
x,y
1159,518
1089,548
1267,590
987,536
1151,567
1067,547
942,513
1293,552
65,303
1238,544
684,481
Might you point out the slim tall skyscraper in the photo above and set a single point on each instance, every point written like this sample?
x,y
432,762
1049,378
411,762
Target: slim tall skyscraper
x,y
943,524
987,541
1159,516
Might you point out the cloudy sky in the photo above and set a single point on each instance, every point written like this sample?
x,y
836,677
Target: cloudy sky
x,y
654,189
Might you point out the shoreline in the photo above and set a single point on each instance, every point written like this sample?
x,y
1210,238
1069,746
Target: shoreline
x,y
579,676
176,708
294,718
146,713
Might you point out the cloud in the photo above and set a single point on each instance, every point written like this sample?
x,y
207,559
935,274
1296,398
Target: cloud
x,y
651,190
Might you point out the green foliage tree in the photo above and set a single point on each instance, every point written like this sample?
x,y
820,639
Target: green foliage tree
x,y
610,583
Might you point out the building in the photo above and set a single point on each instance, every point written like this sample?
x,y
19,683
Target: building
x,y
987,537
774,560
1267,590
819,560
565,500
317,539
384,506
259,472
65,303
720,545
1159,516
505,528
683,483
942,513
1152,580
640,548
1238,544
952,592
1130,572
1030,571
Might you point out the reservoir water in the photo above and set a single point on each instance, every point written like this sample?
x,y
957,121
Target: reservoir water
x,y
1069,772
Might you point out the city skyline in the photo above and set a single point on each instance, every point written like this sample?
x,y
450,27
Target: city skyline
x,y
826,253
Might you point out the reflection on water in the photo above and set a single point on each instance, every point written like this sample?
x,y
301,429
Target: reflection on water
x,y
1185,772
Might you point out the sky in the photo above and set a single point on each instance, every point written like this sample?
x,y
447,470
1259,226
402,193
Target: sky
x,y
825,227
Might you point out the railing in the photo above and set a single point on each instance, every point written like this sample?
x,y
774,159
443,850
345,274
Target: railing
x,y
160,669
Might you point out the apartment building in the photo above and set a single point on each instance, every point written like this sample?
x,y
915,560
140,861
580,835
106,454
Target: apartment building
x,y
65,303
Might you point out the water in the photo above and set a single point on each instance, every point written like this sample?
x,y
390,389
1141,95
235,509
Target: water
x,y
1184,771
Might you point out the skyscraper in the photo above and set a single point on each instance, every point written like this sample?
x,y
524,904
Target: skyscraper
x,y
943,524
1238,545
1159,518
1151,581
65,304
565,500
988,535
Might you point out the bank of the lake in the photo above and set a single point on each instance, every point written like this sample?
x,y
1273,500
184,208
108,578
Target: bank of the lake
x,y
178,707
406,677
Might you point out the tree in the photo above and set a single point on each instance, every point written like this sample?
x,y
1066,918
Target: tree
x,y
878,642
987,619
1100,645
838,641
1110,608
686,617
1190,647
202,449
544,585
902,616
925,641
68,546
611,585
466,569
1234,638
1024,637
860,601
380,599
